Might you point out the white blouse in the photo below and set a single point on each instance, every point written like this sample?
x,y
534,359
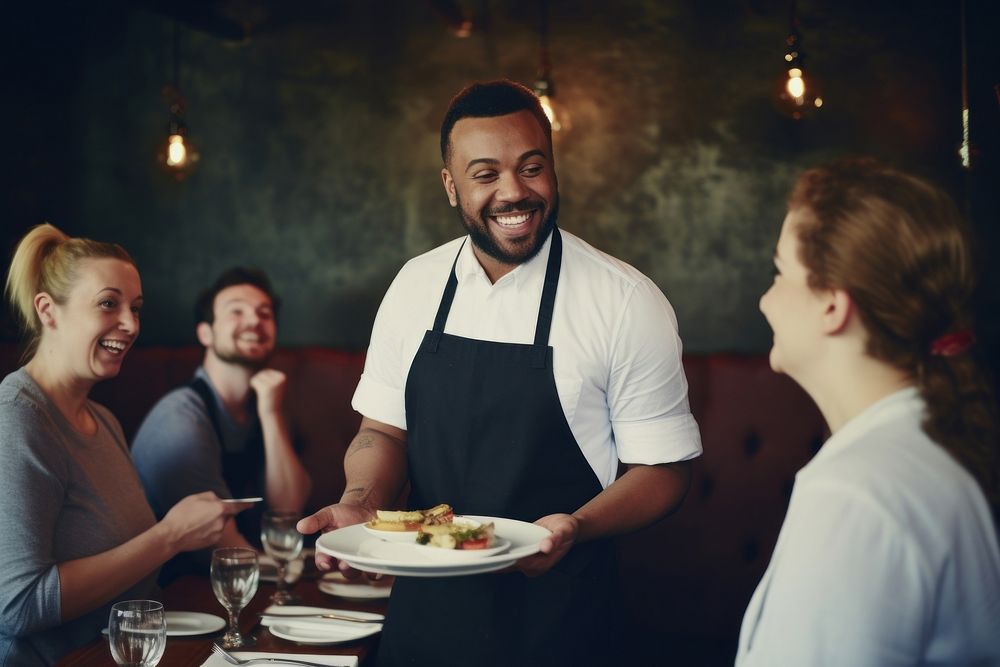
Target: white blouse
x,y
888,555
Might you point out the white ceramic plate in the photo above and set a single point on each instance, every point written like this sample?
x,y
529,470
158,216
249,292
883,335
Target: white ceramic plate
x,y
391,535
355,546
189,623
319,631
334,583
216,660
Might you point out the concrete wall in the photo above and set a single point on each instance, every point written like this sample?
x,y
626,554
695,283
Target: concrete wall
x,y
318,138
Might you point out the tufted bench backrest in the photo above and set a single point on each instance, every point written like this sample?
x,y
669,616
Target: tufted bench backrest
x,y
690,576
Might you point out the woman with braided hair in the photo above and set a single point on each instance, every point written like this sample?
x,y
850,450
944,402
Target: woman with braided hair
x,y
888,554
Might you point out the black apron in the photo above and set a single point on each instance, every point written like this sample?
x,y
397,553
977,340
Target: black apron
x,y
244,475
242,470
486,433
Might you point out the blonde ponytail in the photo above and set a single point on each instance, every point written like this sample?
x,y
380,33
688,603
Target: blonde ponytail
x,y
46,260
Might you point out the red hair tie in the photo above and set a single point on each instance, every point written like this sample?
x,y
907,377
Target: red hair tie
x,y
951,344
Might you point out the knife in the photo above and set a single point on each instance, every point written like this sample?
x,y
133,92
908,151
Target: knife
x,y
335,617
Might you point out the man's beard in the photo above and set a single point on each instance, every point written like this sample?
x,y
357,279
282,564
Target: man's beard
x,y
236,358
478,229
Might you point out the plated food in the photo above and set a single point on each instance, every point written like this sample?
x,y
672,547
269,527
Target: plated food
x,y
411,520
462,534
403,525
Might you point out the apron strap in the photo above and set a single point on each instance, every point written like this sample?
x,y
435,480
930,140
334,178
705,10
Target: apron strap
x,y
540,352
433,337
208,398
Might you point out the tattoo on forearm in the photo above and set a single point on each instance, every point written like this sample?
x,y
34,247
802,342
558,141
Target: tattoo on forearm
x,y
360,442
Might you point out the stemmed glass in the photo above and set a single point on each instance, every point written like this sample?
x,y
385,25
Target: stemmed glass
x,y
283,543
137,633
235,574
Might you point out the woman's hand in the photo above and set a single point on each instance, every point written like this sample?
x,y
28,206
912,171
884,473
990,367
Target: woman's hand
x,y
196,522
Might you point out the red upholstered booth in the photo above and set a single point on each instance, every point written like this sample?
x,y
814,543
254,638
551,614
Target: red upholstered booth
x,y
686,580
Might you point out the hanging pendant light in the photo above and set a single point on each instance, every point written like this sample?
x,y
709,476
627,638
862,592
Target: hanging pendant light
x,y
798,94
544,87
177,155
965,150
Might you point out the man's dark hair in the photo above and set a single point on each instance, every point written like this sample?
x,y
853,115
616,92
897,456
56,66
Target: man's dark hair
x,y
204,308
489,99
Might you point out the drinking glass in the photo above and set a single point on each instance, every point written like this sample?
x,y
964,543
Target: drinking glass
x,y
137,633
283,543
235,574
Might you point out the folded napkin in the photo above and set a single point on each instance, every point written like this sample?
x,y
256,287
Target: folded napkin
x,y
334,660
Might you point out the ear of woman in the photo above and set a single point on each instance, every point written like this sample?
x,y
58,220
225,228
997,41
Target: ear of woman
x,y
839,312
44,305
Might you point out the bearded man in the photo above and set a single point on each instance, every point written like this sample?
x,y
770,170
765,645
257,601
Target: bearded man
x,y
225,431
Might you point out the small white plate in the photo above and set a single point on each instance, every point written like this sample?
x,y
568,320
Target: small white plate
x,y
189,623
324,635
216,660
391,535
500,545
356,547
319,631
254,499
334,583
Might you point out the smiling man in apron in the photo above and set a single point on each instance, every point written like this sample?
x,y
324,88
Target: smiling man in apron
x,y
509,373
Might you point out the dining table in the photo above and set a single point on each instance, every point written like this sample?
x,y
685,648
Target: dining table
x,y
193,593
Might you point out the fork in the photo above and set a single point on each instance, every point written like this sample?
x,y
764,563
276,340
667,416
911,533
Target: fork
x,y
233,660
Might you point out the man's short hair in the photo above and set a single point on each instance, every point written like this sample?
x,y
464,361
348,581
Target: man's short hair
x,y
204,309
487,100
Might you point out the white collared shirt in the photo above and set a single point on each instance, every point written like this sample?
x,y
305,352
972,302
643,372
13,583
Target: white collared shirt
x,y
887,556
616,352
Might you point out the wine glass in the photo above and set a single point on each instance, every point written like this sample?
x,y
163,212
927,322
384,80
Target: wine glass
x,y
283,543
137,633
235,574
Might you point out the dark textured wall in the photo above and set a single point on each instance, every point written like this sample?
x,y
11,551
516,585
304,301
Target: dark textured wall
x,y
319,145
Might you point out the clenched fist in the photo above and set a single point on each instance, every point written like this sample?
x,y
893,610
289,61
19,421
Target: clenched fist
x,y
270,387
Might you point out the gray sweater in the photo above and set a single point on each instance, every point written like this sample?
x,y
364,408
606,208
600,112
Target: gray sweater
x,y
63,496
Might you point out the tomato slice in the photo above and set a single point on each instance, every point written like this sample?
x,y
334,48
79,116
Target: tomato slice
x,y
480,543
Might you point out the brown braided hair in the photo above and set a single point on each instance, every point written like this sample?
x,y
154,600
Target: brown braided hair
x,y
900,248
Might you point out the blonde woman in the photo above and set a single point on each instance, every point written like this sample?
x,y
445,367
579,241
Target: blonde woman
x,y
77,531
888,554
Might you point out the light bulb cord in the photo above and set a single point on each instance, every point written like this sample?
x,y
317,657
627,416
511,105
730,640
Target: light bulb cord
x,y
545,65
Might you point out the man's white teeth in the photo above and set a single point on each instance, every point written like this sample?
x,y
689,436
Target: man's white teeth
x,y
251,337
115,346
512,220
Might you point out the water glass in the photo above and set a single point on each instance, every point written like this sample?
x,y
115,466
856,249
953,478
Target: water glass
x,y
137,633
282,542
235,574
